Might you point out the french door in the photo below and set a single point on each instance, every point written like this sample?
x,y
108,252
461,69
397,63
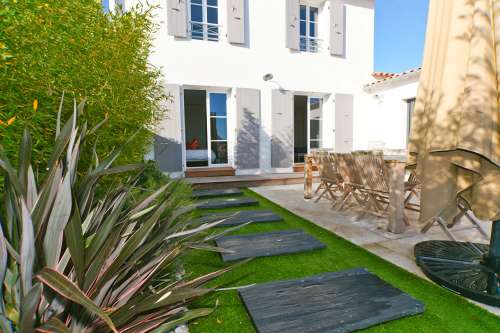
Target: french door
x,y
217,128
308,124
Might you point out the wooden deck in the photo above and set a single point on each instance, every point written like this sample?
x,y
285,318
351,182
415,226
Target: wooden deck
x,y
246,180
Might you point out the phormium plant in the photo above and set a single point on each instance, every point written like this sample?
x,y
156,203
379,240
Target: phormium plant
x,y
75,261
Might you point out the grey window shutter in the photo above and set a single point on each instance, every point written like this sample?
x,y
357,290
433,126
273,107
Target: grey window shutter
x,y
292,24
168,138
236,21
177,18
248,128
282,129
337,33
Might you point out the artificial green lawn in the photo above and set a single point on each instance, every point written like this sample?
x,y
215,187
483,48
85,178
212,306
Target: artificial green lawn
x,y
445,311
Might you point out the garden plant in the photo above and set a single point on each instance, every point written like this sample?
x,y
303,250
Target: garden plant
x,y
80,256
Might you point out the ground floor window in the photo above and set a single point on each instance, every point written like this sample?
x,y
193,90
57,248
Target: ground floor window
x,y
307,126
410,106
205,120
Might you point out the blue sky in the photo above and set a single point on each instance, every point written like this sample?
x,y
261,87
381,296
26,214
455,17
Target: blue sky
x,y
399,34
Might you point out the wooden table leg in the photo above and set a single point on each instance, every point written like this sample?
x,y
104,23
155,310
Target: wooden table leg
x,y
308,177
397,197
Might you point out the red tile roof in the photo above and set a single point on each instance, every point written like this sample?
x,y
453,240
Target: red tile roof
x,y
384,76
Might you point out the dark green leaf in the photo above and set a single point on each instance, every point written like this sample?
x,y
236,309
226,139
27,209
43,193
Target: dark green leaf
x,y
186,317
64,287
59,217
73,236
53,325
27,249
29,308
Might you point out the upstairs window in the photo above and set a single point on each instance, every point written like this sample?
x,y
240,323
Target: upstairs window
x,y
309,41
204,21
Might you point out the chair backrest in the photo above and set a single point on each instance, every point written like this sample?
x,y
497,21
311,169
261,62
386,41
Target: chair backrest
x,y
412,179
373,171
347,169
326,166
317,157
330,171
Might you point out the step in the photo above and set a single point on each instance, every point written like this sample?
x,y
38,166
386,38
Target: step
x,y
267,244
227,203
240,217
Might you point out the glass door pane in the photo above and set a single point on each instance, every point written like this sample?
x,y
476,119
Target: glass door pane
x,y
195,123
218,128
299,128
315,123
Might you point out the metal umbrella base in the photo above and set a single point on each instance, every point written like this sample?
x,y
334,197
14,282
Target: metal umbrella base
x,y
470,269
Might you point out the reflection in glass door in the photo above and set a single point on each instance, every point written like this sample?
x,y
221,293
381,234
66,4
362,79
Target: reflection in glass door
x,y
217,124
307,126
315,123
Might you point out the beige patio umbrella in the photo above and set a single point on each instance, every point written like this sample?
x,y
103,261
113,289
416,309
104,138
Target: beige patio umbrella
x,y
455,128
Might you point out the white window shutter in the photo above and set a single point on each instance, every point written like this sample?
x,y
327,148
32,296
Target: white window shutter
x,y
236,21
168,139
248,128
293,24
337,27
177,18
282,129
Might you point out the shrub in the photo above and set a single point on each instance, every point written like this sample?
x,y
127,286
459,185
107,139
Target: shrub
x,y
74,261
48,47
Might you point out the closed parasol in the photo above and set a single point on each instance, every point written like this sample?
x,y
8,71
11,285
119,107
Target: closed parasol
x,y
455,140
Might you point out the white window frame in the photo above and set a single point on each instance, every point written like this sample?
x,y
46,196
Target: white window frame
x,y
320,140
209,127
410,108
313,43
207,36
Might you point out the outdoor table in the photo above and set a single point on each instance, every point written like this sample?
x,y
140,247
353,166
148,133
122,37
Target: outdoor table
x,y
396,164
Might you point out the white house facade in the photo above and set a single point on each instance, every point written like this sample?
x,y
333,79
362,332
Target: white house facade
x,y
392,99
257,84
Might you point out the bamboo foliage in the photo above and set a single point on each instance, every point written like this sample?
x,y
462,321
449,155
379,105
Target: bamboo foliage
x,y
73,260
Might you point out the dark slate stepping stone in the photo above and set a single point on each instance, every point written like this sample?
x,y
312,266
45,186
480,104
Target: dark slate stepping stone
x,y
267,244
344,301
227,203
241,217
200,194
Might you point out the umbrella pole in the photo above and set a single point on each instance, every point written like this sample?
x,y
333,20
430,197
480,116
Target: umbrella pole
x,y
492,260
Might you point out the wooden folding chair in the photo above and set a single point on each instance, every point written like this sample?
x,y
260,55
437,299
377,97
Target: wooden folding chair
x,y
464,211
330,179
375,180
317,157
352,185
412,187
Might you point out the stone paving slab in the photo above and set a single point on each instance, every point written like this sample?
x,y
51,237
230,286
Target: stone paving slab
x,y
397,249
227,203
337,302
241,217
267,244
202,194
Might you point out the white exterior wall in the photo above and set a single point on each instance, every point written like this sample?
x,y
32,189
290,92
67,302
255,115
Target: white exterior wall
x,y
198,63
386,122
